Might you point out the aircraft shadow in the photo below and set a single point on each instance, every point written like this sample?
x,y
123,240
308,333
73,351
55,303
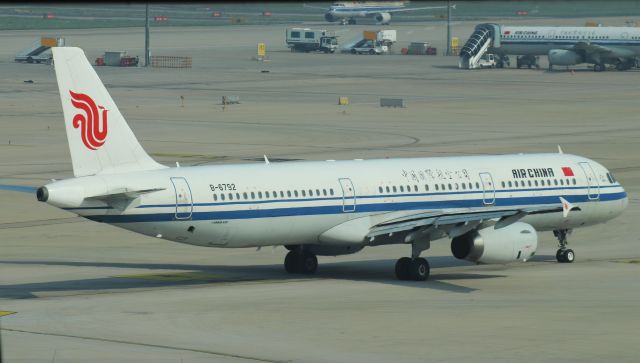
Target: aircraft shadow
x,y
380,271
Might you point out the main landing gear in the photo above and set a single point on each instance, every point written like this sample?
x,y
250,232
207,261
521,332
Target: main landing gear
x,y
299,261
415,268
564,254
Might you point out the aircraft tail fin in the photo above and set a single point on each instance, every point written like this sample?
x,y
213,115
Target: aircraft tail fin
x,y
100,141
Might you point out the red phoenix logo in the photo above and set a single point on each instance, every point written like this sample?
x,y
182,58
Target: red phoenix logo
x,y
92,126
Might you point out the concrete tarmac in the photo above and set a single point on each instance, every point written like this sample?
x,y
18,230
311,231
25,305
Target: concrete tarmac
x,y
84,291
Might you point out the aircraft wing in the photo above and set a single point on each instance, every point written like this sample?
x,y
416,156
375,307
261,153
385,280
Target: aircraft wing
x,y
602,51
463,220
387,227
410,9
315,7
591,49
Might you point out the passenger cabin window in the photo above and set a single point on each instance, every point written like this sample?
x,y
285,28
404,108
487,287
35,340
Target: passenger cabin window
x,y
295,193
221,196
426,187
215,197
324,192
394,189
303,193
437,188
401,189
230,196
259,195
387,188
380,190
289,193
331,191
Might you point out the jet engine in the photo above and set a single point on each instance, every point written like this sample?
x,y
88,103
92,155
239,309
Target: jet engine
x,y
517,241
383,18
330,18
563,57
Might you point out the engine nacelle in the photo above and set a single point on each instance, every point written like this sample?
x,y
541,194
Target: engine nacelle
x,y
563,57
383,18
333,250
516,242
330,18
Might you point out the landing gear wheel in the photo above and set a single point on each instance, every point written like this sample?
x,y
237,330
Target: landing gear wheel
x,y
559,256
352,21
300,262
419,269
353,51
308,263
402,268
291,264
598,67
564,254
568,256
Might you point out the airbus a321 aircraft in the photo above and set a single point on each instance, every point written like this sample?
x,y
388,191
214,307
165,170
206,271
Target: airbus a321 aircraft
x,y
491,207
347,11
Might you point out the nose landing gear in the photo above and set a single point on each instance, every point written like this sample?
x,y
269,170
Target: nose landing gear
x,y
564,254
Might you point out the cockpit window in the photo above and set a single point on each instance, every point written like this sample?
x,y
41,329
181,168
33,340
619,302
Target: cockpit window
x,y
611,178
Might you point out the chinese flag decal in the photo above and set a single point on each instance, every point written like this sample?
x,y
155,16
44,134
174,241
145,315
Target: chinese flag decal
x,y
567,171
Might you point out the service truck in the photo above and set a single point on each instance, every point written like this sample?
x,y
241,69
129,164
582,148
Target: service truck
x,y
307,40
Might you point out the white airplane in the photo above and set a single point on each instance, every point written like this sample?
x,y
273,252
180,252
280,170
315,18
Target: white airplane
x,y
346,11
491,207
619,46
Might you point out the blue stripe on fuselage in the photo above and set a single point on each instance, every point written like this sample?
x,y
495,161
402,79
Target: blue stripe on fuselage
x,y
360,208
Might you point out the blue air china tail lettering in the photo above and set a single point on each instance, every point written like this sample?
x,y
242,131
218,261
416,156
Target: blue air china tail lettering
x,y
491,207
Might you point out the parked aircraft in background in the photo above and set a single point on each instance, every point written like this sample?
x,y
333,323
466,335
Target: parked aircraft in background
x,y
491,207
565,46
346,12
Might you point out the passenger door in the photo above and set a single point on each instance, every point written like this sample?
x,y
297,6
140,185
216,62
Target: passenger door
x,y
593,187
488,189
184,201
348,195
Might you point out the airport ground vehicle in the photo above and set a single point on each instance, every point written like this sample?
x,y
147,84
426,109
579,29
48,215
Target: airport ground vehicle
x,y
371,42
487,60
39,51
373,47
307,40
